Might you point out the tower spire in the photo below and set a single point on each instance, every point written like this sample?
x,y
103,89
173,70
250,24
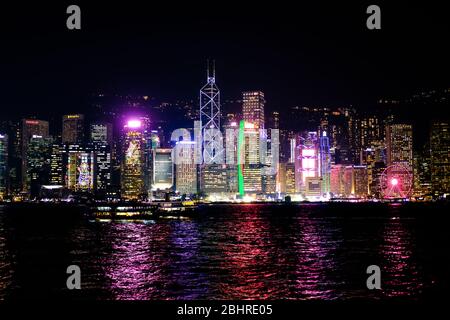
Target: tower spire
x,y
210,117
211,71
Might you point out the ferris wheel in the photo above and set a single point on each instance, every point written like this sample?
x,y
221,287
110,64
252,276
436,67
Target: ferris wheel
x,y
396,181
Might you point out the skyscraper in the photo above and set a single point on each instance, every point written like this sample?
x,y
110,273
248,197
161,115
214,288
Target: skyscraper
x,y
360,186
101,133
37,164
102,168
185,167
231,138
325,162
214,179
210,120
73,128
349,181
132,173
269,158
399,145
30,128
13,130
372,157
274,122
290,178
57,164
371,131
440,157
307,159
253,103
422,172
80,168
251,164
163,177
3,165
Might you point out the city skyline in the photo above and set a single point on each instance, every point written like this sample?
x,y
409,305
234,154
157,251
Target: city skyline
x,y
335,153
110,136
257,155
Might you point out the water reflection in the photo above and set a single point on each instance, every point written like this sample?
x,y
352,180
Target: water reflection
x,y
316,249
137,264
229,252
249,257
188,277
6,261
400,273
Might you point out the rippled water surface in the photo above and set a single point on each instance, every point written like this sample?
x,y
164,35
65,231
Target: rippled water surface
x,y
311,251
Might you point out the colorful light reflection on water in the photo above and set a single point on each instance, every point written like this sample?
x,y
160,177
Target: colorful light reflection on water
x,y
229,252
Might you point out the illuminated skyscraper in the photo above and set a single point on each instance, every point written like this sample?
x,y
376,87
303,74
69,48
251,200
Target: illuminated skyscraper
x,y
151,140
325,162
101,133
213,151
210,120
274,122
349,181
12,130
286,178
163,177
37,164
102,168
185,167
214,179
307,159
281,178
290,178
231,137
73,128
375,177
360,184
133,162
251,163
399,145
253,103
340,134
422,172
80,168
3,166
337,185
371,131
371,158
269,153
58,164
440,157
30,128
292,149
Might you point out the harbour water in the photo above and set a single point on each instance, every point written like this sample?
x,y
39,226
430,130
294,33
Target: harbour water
x,y
247,251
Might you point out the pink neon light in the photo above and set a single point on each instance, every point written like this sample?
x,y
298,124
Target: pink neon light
x,y
394,181
134,124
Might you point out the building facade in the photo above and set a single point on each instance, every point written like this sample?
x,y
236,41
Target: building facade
x,y
440,157
4,181
133,162
399,145
253,103
73,129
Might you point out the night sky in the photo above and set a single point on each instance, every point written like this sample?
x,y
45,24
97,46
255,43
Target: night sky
x,y
298,55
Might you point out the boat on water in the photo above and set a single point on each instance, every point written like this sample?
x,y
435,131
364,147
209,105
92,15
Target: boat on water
x,y
150,210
